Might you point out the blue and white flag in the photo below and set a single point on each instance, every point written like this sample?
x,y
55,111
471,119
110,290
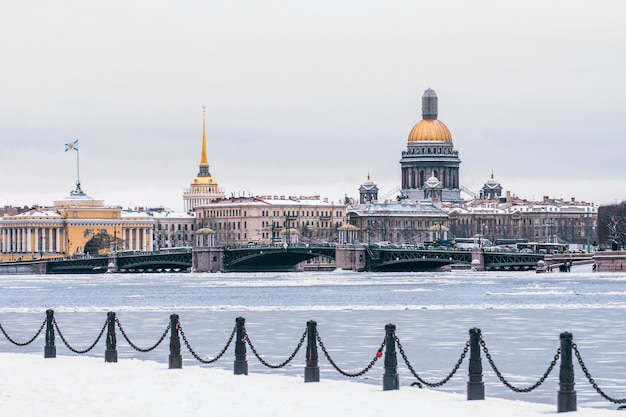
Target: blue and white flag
x,y
72,146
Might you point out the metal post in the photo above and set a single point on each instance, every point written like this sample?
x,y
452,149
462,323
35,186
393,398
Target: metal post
x,y
475,384
175,360
390,377
312,370
50,350
240,367
566,397
110,354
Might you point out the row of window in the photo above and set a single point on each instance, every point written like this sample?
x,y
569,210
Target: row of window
x,y
275,213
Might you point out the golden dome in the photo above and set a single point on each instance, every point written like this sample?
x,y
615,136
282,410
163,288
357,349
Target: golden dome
x,y
204,180
430,130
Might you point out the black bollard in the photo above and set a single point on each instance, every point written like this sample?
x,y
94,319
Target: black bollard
x,y
240,367
475,384
110,354
50,350
176,361
566,398
390,377
312,370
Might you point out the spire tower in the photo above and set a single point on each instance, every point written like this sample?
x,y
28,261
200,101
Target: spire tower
x,y
204,162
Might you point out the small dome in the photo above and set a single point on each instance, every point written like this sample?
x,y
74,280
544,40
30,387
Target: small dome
x,y
348,227
430,130
205,230
432,182
204,181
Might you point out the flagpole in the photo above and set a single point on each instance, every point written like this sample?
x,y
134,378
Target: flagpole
x,y
77,171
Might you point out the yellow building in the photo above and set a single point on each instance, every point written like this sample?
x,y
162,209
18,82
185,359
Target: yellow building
x,y
204,188
77,224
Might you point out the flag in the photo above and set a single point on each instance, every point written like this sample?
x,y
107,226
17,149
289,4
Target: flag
x,y
72,146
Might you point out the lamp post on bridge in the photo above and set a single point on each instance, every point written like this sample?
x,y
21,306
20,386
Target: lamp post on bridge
x,y
588,215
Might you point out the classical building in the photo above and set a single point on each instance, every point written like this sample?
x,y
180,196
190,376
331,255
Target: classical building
x,y
272,220
548,220
430,153
172,229
204,188
77,224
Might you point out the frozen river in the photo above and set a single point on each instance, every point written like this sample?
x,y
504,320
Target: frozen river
x,y
521,315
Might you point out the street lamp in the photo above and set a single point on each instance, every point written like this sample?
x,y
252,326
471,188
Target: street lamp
x,y
587,233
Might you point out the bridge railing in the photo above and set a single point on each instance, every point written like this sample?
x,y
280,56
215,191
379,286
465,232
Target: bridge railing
x,y
312,340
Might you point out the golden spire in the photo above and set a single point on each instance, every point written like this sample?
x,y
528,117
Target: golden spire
x,y
203,160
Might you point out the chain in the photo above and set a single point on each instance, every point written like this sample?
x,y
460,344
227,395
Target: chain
x,y
80,352
26,343
505,382
433,384
289,359
167,329
342,372
592,381
195,355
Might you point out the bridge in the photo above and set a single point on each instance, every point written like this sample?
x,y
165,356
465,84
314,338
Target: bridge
x,y
272,258
173,260
388,259
266,258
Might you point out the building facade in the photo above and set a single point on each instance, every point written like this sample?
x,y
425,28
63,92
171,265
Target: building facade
x,y
272,220
550,220
77,224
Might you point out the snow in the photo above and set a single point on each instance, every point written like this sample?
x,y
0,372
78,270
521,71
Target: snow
x,y
87,386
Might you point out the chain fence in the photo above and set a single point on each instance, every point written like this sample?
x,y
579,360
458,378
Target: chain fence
x,y
475,345
197,357
593,382
25,343
80,352
507,383
246,338
341,371
422,381
137,348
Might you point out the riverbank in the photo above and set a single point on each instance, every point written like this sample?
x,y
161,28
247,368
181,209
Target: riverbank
x,y
85,386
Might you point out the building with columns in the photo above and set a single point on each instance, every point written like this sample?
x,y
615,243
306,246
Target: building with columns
x,y
430,153
204,188
77,224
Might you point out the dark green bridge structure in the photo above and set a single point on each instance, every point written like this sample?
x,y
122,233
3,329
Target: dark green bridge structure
x,y
429,260
283,259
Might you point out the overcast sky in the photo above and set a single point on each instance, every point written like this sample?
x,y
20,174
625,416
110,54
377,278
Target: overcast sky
x,y
308,97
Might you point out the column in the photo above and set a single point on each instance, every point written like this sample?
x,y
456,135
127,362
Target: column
x,y
29,240
43,240
123,238
37,240
58,243
50,241
145,240
130,239
137,240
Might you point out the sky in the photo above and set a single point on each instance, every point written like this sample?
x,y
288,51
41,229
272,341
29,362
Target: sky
x,y
307,97
86,386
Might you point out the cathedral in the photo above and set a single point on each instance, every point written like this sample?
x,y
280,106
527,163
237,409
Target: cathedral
x,y
430,165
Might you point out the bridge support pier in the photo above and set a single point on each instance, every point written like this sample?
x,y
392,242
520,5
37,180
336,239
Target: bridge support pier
x,y
112,265
351,257
207,259
478,259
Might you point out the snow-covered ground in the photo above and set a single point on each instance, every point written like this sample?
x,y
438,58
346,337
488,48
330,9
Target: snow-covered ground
x,y
84,386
